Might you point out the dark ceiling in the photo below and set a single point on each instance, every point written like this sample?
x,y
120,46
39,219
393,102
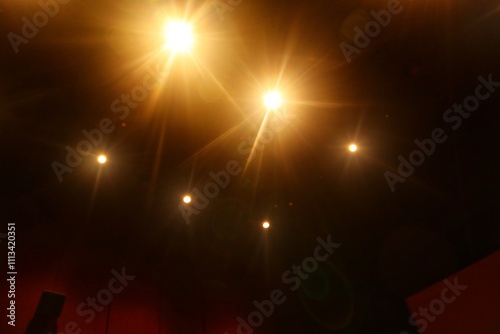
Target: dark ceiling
x,y
125,213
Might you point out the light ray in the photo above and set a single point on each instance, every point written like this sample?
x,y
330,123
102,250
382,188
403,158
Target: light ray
x,y
216,140
252,152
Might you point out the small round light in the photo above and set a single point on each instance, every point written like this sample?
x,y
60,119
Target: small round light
x,y
102,159
273,100
186,199
266,224
353,148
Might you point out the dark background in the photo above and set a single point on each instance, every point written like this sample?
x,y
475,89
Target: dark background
x,y
198,278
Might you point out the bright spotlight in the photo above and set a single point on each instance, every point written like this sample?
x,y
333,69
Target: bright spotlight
x,y
353,148
273,100
187,199
178,36
266,224
101,159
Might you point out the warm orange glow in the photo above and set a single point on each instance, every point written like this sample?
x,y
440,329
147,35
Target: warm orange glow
x,y
273,100
186,199
266,224
179,36
102,159
353,148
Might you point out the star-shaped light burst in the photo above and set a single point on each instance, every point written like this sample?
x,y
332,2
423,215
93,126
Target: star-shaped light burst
x,y
179,37
273,100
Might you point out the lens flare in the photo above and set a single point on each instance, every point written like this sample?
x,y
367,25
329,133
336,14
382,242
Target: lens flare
x,y
273,100
179,36
101,159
